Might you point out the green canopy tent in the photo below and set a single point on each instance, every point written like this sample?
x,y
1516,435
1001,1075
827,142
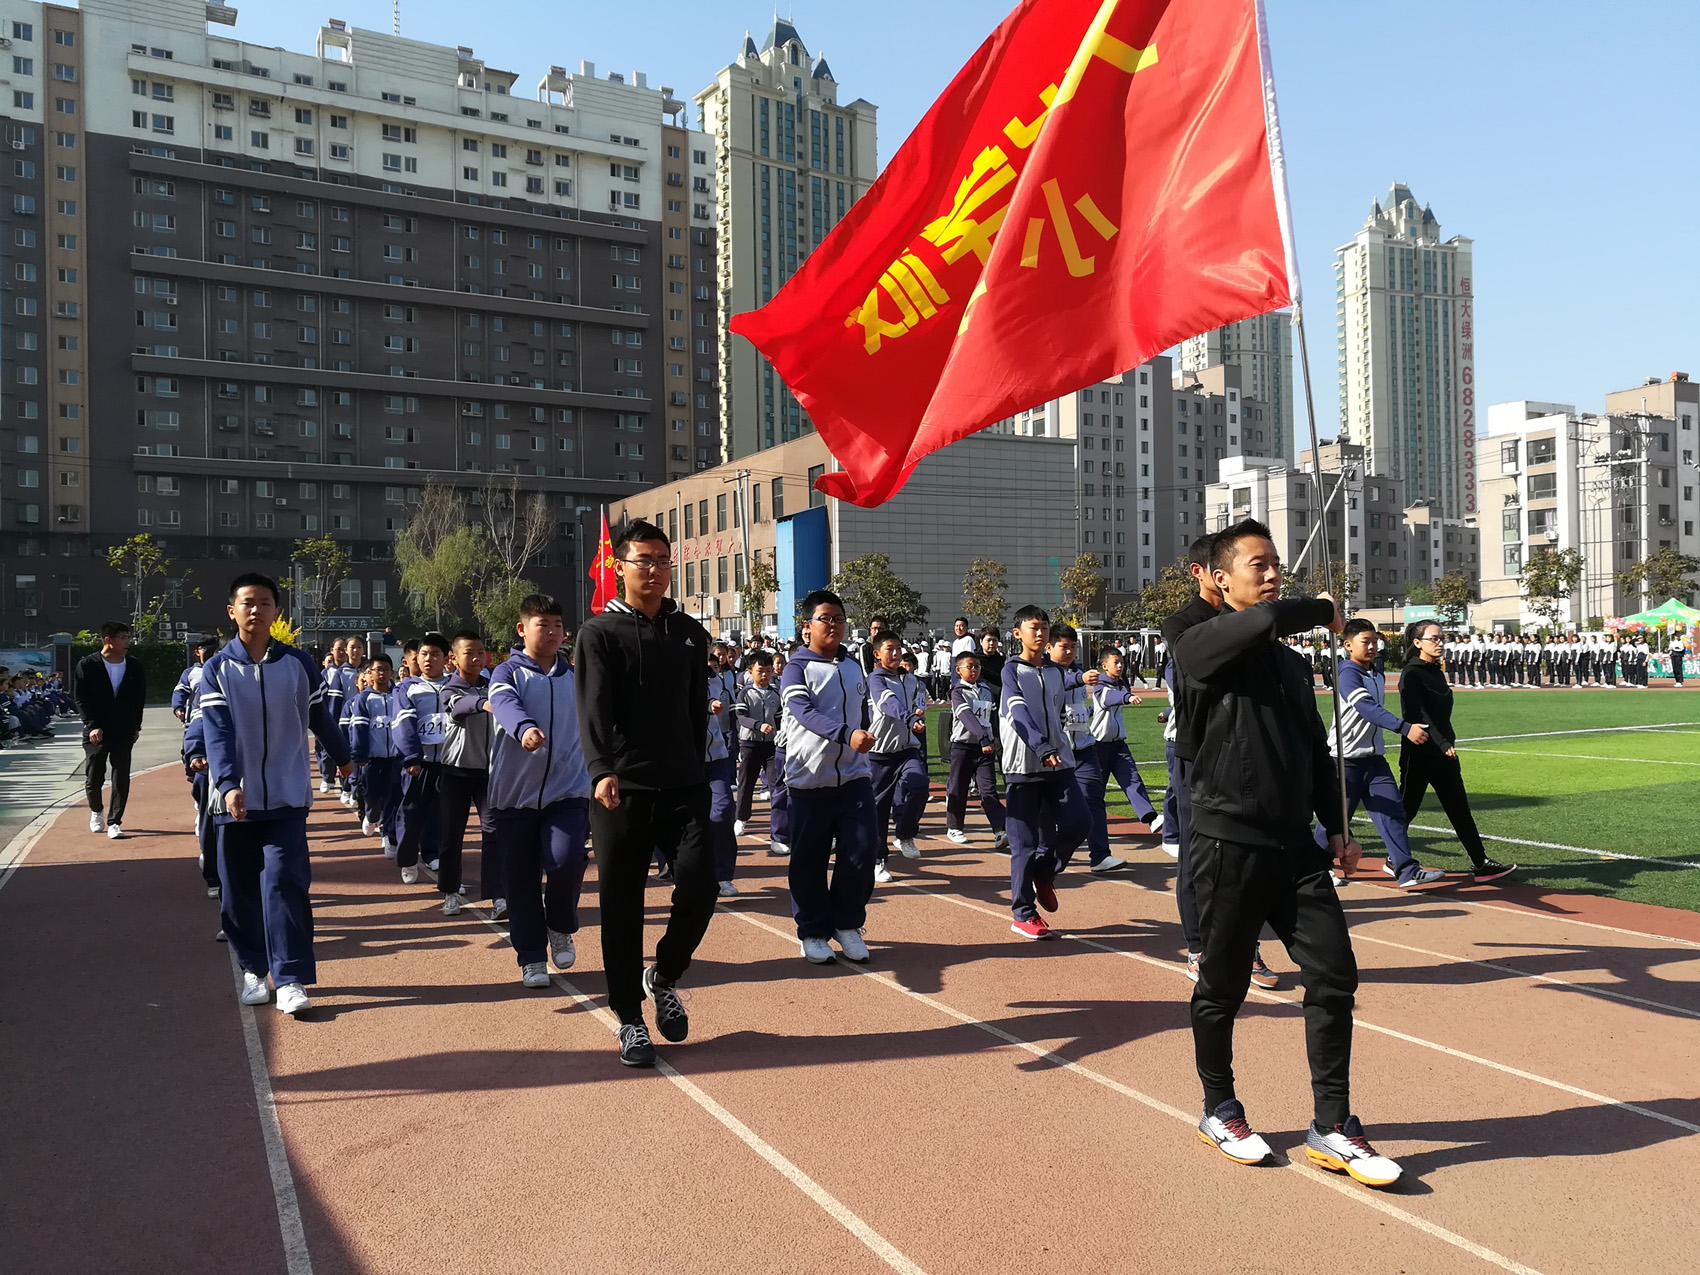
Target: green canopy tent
x,y
1672,612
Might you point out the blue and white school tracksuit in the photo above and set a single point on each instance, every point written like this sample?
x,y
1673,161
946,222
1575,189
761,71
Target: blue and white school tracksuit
x,y
832,793
255,717
897,701
1104,755
539,801
1369,779
420,724
1046,815
194,747
366,722
339,682
720,769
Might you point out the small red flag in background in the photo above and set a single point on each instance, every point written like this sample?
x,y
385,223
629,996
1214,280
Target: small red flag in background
x,y
1093,187
602,571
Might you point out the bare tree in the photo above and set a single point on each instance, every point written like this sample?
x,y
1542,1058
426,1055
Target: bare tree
x,y
517,525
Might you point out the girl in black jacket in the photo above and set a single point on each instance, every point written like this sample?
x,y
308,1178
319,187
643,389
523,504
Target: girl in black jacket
x,y
1425,697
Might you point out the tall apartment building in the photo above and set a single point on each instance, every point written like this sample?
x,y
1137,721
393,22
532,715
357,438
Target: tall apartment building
x,y
789,162
1405,323
253,295
1147,446
1262,348
1616,487
1440,545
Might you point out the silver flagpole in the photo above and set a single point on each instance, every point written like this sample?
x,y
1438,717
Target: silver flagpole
x,y
1284,214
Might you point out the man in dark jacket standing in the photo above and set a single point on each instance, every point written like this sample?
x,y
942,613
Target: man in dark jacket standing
x,y
1261,770
110,689
643,724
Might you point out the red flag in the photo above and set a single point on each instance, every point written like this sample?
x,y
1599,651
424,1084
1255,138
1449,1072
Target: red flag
x,y
1093,187
602,571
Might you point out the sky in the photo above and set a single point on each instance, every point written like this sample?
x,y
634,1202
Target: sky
x,y
1561,137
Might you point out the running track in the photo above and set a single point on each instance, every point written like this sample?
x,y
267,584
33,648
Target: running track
x,y
971,1102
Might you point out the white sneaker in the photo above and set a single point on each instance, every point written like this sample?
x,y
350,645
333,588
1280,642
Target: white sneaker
x,y
389,848
561,950
97,821
1001,841
738,826
410,874
432,864
1172,849
324,785
850,943
728,890
778,848
1226,1130
498,909
254,990
1108,864
1156,824
292,999
816,951
215,892
535,975
366,828
1345,1150
451,905
114,832
907,848
882,874
956,836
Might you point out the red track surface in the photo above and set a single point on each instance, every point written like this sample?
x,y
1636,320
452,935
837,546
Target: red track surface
x,y
972,1102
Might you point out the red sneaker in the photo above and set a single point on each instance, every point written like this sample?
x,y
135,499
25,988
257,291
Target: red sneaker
x,y
1034,928
1047,894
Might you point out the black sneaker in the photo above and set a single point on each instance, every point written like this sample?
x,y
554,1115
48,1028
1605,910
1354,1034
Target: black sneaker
x,y
635,1049
1491,870
670,1017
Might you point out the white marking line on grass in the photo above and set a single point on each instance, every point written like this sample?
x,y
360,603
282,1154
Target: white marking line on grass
x,y
1173,967
1554,845
1358,1195
1591,730
835,1208
296,1259
1632,761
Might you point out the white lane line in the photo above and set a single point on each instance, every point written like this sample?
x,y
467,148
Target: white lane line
x,y
835,1208
1358,1195
1554,845
1627,761
1560,918
1591,730
1591,989
296,1259
1175,968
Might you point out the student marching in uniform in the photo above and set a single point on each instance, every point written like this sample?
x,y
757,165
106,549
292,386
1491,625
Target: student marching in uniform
x,y
190,680
259,698
463,779
758,713
1369,779
720,768
899,726
1046,811
335,663
195,767
973,752
349,682
1107,757
421,724
367,723
539,791
832,793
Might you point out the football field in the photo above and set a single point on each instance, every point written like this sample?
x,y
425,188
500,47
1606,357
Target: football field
x,y
1595,790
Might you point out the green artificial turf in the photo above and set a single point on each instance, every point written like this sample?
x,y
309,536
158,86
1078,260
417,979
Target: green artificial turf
x,y
1633,792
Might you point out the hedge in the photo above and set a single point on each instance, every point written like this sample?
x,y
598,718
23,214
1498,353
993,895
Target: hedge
x,y
162,662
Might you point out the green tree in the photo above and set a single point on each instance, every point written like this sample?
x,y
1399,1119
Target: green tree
x,y
1331,577
1453,594
870,587
145,567
1125,616
1548,578
439,553
1659,576
496,605
324,564
1173,588
1419,593
983,592
1082,590
759,581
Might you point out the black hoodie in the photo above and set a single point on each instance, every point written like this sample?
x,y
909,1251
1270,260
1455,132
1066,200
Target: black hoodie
x,y
1247,716
643,696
